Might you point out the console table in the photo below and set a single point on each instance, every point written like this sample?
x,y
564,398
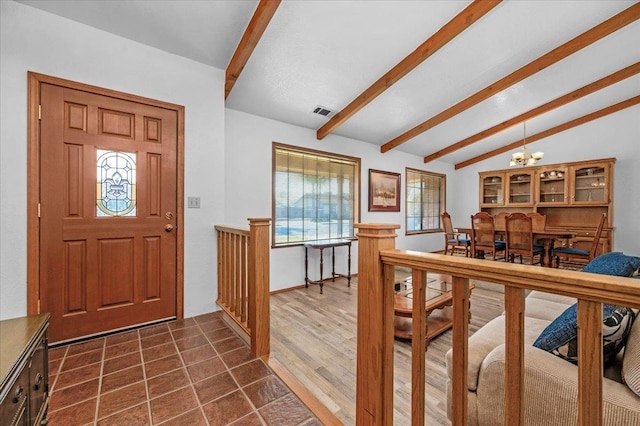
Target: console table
x,y
321,245
24,371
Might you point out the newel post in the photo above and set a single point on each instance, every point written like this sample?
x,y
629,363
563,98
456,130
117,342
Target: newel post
x,y
374,371
259,317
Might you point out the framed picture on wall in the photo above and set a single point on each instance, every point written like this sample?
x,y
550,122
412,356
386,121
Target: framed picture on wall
x,y
384,191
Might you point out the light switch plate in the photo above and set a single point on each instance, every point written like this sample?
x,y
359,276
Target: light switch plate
x,y
193,202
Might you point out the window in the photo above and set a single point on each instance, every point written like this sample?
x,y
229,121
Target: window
x,y
315,195
425,201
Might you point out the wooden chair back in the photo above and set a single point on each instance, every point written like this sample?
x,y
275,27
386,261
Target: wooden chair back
x,y
499,221
483,229
448,226
538,221
519,232
452,240
596,237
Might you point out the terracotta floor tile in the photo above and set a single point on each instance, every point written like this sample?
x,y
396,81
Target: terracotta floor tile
x,y
287,411
220,334
172,404
211,316
212,325
156,339
183,333
122,398
134,416
248,420
81,360
121,378
227,345
160,351
121,349
54,366
237,357
112,365
154,329
162,365
77,414
187,322
58,353
191,342
190,418
118,338
265,390
77,375
214,387
168,382
206,368
192,356
89,345
250,372
73,394
227,409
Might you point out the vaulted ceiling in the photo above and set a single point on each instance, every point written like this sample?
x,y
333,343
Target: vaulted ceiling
x,y
446,80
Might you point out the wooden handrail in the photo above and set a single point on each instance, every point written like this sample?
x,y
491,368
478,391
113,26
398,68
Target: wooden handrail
x,y
376,261
243,280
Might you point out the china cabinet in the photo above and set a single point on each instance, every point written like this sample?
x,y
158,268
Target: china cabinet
x,y
572,196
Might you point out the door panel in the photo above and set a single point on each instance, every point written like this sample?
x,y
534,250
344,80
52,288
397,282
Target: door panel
x,y
108,180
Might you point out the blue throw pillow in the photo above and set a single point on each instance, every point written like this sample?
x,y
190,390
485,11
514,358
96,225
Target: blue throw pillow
x,y
561,336
614,263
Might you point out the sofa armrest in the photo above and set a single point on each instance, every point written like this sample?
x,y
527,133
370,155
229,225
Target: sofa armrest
x,y
551,391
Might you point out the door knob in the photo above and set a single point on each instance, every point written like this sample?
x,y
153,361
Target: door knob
x,y
168,227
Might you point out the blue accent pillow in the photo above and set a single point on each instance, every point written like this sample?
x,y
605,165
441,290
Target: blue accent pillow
x,y
561,336
614,263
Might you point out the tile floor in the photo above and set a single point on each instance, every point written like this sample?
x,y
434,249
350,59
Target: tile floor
x,y
195,371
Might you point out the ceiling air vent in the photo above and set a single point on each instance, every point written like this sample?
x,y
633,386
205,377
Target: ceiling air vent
x,y
322,110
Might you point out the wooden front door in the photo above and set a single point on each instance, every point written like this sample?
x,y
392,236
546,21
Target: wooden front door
x,y
108,212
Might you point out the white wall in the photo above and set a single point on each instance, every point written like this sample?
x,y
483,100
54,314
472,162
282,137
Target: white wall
x,y
33,40
612,136
248,187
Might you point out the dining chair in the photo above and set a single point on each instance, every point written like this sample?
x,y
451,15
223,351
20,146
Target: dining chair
x,y
538,220
483,236
570,255
519,231
452,239
499,221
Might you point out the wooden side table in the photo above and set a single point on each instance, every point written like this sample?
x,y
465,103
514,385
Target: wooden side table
x,y
321,245
438,304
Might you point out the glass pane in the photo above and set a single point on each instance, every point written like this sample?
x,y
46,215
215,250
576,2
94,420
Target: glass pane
x,y
116,183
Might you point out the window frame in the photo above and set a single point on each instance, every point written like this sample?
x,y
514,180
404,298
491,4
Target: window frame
x,y
331,155
443,202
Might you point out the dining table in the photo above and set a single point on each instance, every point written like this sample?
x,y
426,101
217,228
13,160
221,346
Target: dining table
x,y
545,236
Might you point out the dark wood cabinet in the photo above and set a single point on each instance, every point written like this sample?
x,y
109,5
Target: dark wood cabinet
x,y
24,390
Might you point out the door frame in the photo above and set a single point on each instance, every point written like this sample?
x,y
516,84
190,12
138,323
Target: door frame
x,y
34,80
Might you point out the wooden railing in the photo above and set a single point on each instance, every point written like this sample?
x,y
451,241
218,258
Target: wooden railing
x,y
377,259
243,280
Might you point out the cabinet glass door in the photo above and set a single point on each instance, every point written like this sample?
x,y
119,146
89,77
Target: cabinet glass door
x,y
590,185
520,188
553,186
492,190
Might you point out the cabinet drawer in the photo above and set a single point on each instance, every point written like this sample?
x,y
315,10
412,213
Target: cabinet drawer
x,y
13,407
39,383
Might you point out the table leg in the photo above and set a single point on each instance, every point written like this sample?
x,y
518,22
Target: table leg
x,y
349,265
306,268
333,264
321,264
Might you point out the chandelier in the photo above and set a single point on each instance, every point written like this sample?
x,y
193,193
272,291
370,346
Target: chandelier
x,y
523,158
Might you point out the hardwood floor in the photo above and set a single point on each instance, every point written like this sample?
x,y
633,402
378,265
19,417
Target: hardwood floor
x,y
314,337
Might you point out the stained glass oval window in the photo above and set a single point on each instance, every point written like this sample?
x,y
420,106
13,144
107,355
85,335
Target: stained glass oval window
x,y
116,183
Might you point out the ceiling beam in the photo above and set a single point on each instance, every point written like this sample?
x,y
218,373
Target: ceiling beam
x,y
556,103
596,33
444,35
552,131
259,21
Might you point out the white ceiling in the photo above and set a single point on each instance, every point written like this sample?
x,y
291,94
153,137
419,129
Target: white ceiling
x,y
328,52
